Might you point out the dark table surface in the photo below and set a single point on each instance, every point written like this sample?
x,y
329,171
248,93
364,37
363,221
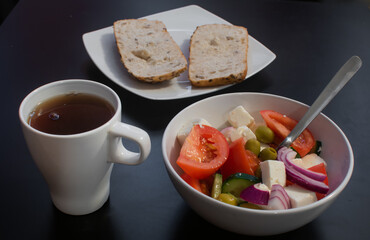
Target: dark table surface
x,y
41,42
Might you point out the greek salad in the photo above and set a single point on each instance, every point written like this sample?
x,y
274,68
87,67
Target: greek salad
x,y
240,165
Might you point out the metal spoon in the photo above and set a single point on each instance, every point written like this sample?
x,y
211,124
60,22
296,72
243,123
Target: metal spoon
x,y
340,79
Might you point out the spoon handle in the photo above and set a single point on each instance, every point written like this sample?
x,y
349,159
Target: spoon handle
x,y
340,79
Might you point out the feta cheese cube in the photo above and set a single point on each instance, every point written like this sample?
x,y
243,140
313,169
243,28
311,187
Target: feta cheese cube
x,y
243,132
300,196
273,172
298,162
308,161
228,132
232,135
262,186
246,133
185,129
240,117
312,159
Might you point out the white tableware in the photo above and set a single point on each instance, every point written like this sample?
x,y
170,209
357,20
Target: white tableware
x,y
180,23
336,151
77,167
340,79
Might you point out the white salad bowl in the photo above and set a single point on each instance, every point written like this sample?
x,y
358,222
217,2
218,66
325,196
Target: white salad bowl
x,y
336,151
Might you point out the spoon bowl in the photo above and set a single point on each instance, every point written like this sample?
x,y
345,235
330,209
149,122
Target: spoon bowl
x,y
340,79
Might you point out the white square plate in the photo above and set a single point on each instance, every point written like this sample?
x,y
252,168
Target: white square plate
x,y
180,23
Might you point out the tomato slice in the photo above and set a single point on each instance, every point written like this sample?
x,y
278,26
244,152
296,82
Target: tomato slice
x,y
196,183
239,160
205,150
320,168
282,125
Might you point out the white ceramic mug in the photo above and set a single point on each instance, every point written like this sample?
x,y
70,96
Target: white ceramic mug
x,y
77,167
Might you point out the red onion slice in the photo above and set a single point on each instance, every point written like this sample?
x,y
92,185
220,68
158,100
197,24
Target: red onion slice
x,y
279,199
277,189
314,175
277,203
227,132
287,155
256,194
306,182
300,177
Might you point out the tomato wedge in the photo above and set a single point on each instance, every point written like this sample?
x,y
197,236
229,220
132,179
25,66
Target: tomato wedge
x,y
196,183
320,168
282,125
205,150
239,160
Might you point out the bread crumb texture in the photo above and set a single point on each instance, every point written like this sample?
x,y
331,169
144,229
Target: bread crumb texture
x,y
218,55
148,51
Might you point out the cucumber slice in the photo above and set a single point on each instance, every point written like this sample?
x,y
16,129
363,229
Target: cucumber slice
x,y
297,156
317,148
217,185
237,182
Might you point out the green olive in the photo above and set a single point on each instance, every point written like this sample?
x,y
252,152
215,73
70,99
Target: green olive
x,y
228,198
253,145
258,172
264,134
268,154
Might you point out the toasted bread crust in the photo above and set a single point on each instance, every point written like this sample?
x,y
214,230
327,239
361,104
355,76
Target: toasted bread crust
x,y
148,51
218,55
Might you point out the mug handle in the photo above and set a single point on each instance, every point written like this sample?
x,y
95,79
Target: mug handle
x,y
119,154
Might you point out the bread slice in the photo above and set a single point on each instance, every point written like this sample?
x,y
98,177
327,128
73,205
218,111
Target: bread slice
x,y
218,55
148,51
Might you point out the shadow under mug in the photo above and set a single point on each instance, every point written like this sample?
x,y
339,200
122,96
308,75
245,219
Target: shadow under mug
x,y
77,167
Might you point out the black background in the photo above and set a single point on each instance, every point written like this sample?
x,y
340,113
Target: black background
x,y
41,42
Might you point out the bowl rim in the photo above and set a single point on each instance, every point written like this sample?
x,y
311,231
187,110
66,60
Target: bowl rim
x,y
331,196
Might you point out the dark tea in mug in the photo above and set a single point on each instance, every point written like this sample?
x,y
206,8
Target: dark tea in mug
x,y
71,114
